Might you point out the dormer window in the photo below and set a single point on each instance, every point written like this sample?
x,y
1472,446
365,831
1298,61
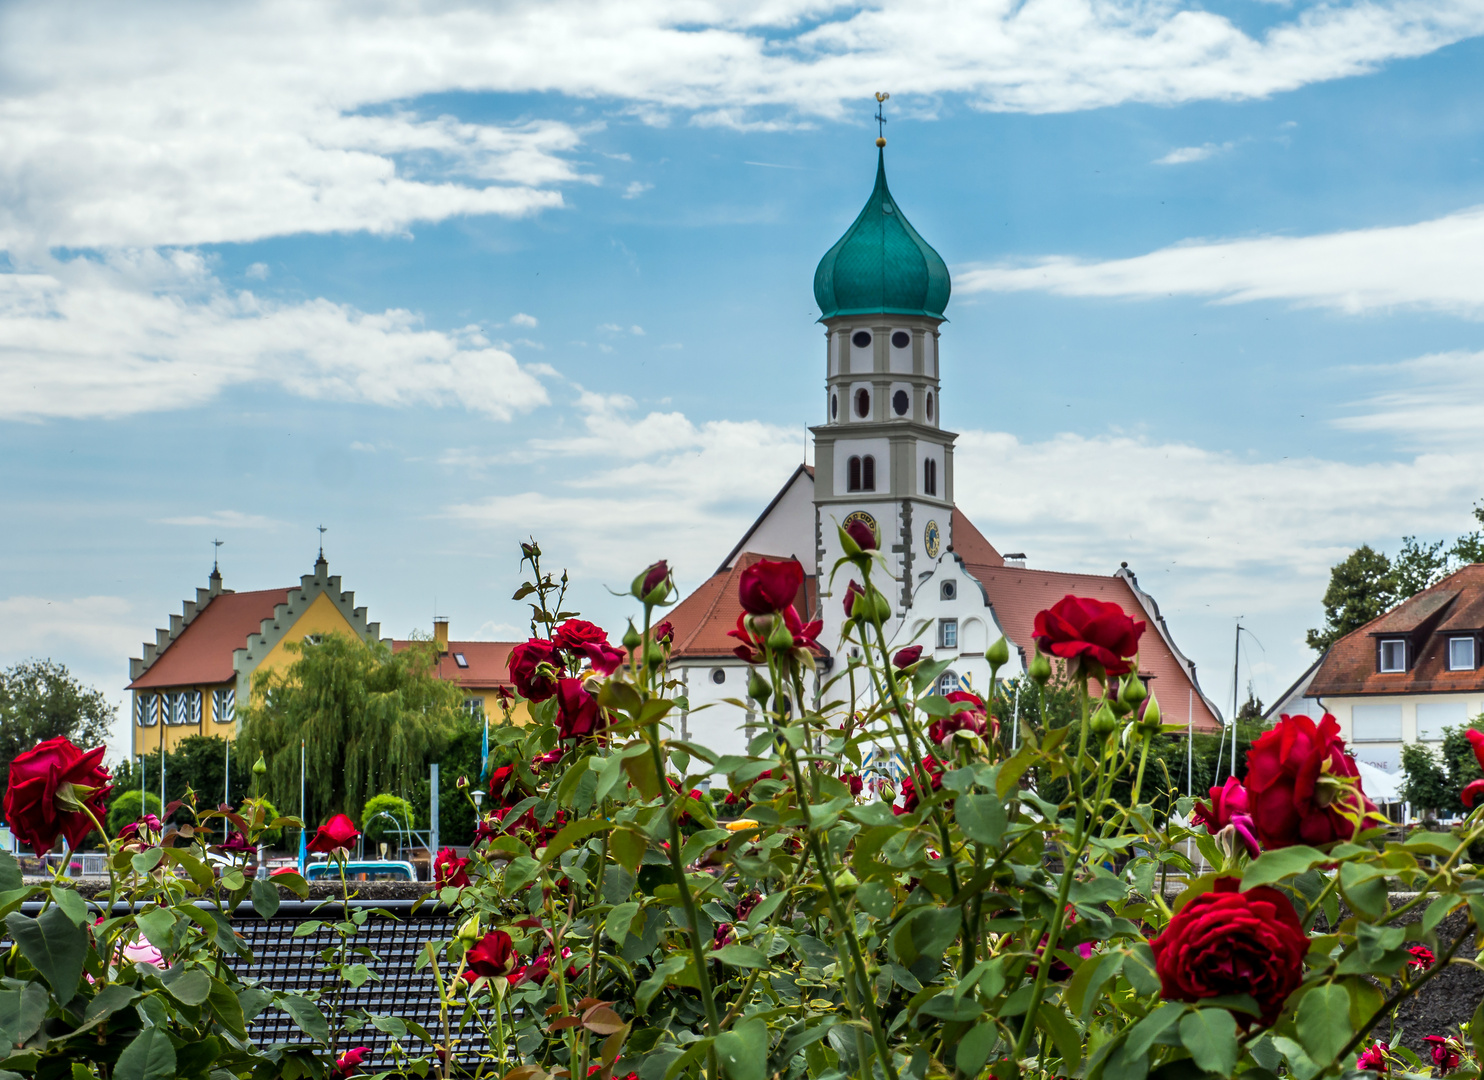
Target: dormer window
x,y
1461,654
460,659
1393,655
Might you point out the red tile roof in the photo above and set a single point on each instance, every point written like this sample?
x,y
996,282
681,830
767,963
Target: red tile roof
x,y
969,543
488,663
202,654
703,618
1452,607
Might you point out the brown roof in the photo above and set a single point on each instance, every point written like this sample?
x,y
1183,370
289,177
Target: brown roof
x,y
202,654
489,663
969,543
703,618
1453,606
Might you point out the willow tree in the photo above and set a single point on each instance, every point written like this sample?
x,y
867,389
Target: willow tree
x,y
369,720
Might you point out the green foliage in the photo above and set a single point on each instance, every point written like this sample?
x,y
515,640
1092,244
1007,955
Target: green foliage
x,y
1361,588
377,829
370,720
125,807
1433,780
198,763
41,699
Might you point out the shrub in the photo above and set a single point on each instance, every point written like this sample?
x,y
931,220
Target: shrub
x,y
125,808
377,828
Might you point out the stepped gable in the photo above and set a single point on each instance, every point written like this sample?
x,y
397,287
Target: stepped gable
x,y
702,619
1454,607
200,651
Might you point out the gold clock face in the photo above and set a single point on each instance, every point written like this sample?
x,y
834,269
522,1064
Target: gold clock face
x,y
865,519
932,539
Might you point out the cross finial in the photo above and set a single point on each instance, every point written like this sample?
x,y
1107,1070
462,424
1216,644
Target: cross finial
x,y
322,531
216,546
881,97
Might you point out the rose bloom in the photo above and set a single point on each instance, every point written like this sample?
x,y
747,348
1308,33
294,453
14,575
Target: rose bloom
x,y
853,782
1374,1058
348,1063
578,714
573,634
1230,942
751,650
1472,791
1229,806
851,592
723,935
502,782
655,576
142,952
1078,628
1422,957
49,786
907,657
972,719
1299,779
664,632
524,662
494,954
604,658
449,869
910,797
769,586
746,903
863,535
1444,1056
339,832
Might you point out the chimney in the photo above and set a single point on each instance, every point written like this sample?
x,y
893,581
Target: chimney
x,y
440,632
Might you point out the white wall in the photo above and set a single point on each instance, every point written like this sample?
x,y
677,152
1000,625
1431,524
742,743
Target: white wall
x,y
845,449
789,527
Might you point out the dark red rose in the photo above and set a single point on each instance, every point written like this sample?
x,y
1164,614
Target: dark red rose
x,y
769,586
537,971
1229,805
1299,780
349,1063
502,781
235,843
449,869
573,634
664,633
723,935
905,658
1078,628
492,955
1471,791
50,785
534,668
804,635
747,903
505,696
970,718
1422,957
1374,1058
1444,1054
604,658
1231,942
851,593
551,757
853,782
863,535
655,576
338,832
578,715
910,797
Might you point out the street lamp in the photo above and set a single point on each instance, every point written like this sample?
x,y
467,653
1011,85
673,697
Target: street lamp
x,y
478,801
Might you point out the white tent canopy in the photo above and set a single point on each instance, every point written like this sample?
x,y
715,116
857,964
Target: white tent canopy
x,y
1380,785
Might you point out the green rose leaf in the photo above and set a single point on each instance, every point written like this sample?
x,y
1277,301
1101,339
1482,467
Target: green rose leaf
x,y
1211,1037
982,818
55,946
149,1057
265,898
227,1008
619,921
1273,866
22,1011
740,956
108,1001
189,986
973,1048
307,1015
743,1051
1324,1022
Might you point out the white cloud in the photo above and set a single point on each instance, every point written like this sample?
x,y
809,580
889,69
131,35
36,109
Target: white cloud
x,y
637,331
258,271
130,126
1438,401
230,519
636,188
1436,264
1187,154
148,330
520,318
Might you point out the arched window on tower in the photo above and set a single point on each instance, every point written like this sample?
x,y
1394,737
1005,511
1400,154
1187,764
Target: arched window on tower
x,y
863,403
930,477
854,469
868,473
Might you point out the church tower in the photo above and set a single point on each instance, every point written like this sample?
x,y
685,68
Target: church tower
x,y
881,455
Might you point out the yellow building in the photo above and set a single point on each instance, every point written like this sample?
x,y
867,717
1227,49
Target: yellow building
x,y
190,678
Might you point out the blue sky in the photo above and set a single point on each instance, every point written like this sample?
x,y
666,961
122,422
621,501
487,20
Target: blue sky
x,y
451,276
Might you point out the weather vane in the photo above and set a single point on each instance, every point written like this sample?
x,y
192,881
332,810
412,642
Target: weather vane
x,y
881,96
216,544
322,531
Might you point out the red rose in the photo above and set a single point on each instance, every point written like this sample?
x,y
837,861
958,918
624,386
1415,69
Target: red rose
x,y
1422,957
747,903
1475,787
50,785
578,714
851,592
770,585
664,633
655,576
1374,1058
1301,784
449,869
863,535
348,1063
905,658
604,658
1076,628
910,798
537,971
551,757
525,666
1444,1054
751,650
723,936
494,954
338,832
1230,805
573,634
1230,942
973,718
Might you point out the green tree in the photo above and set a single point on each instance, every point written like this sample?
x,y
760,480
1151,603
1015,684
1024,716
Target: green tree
x,y
198,763
378,828
124,807
41,699
1361,587
369,719
1425,782
460,757
1418,566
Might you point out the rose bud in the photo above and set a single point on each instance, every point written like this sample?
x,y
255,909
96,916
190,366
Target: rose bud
x,y
1040,669
863,535
851,593
999,653
905,658
758,688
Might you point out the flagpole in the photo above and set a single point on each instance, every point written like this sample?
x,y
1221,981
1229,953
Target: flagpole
x,y
303,838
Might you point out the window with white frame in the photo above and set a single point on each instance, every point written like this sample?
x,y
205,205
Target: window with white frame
x,y
146,710
1461,654
224,706
947,633
947,683
1393,654
474,706
193,706
1376,723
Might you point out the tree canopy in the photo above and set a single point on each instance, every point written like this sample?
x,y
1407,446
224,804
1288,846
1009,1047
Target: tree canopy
x,y
41,699
370,721
1434,778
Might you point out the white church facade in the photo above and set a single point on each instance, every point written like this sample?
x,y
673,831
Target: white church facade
x,y
882,457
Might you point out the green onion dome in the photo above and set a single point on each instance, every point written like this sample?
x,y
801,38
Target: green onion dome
x,y
881,265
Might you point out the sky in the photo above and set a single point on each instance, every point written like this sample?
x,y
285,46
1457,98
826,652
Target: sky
x,y
442,277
